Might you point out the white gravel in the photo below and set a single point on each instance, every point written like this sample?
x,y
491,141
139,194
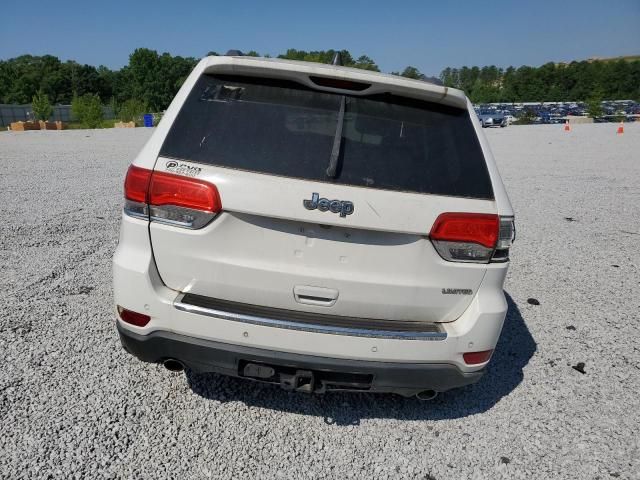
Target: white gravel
x,y
73,404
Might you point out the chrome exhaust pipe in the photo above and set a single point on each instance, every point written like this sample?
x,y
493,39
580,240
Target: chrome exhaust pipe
x,y
426,395
173,365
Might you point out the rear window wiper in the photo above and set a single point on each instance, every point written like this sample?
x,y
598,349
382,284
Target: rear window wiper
x,y
337,142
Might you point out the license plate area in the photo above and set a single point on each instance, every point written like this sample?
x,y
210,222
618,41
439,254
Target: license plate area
x,y
304,380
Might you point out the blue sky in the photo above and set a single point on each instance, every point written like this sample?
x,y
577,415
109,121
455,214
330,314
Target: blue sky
x,y
428,35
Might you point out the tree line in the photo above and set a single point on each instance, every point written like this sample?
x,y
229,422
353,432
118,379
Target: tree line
x,y
552,82
149,77
152,79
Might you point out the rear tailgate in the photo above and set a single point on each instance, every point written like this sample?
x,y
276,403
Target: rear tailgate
x,y
361,252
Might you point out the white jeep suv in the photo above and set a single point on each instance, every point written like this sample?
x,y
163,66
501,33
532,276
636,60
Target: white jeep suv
x,y
317,227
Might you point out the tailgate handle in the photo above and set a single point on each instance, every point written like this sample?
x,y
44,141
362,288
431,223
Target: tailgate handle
x,y
320,296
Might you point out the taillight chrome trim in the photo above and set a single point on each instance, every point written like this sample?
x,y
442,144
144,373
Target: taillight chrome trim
x,y
136,209
507,232
506,237
171,214
443,247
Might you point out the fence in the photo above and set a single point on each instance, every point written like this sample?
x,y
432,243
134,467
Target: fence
x,y
22,113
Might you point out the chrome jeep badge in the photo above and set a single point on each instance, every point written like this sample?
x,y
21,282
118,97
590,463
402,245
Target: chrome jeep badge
x,y
344,208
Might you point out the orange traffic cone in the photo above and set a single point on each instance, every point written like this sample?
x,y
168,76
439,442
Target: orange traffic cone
x,y
620,129
567,127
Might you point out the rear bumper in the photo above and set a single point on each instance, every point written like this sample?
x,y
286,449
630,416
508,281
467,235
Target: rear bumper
x,y
138,287
200,355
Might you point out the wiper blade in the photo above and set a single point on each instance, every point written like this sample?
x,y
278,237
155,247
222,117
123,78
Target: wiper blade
x,y
337,142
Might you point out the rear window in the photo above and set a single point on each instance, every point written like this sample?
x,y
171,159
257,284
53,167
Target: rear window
x,y
285,129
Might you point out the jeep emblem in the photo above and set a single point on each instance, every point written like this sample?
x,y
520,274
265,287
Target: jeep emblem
x,y
323,204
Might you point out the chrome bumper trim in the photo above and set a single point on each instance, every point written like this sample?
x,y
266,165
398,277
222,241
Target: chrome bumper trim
x,y
306,327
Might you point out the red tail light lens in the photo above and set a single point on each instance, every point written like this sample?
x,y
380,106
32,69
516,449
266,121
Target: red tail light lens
x,y
133,318
465,237
187,192
168,198
136,184
476,358
477,228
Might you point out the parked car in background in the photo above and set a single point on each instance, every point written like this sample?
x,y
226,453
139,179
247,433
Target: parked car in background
x,y
495,119
555,112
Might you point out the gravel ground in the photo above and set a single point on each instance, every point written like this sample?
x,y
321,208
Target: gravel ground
x,y
73,404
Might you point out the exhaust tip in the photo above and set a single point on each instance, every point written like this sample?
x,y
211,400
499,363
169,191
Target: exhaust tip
x,y
426,395
173,365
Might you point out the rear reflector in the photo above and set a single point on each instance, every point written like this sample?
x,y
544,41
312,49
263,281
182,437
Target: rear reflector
x,y
480,228
476,358
133,318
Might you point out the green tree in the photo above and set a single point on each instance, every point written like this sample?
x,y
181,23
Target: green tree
x,y
153,78
594,105
575,81
115,106
411,72
319,56
87,109
450,77
467,78
131,110
41,106
366,63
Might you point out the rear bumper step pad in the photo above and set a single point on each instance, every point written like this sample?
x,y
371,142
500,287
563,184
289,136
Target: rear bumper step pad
x,y
310,322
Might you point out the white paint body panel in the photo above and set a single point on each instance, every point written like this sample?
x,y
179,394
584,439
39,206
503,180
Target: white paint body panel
x,y
265,245
138,287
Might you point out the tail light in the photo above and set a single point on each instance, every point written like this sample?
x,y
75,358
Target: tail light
x,y
136,186
472,237
476,358
506,237
171,199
